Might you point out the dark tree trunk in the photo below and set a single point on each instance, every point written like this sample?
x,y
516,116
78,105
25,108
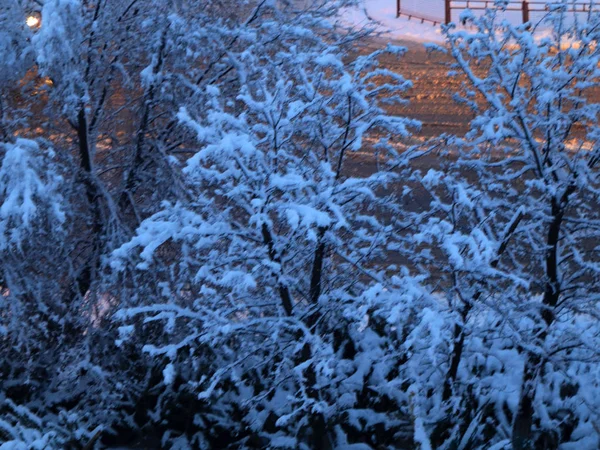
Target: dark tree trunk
x,y
317,268
126,198
84,278
284,292
522,438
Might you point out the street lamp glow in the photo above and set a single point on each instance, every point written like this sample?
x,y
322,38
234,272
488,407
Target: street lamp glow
x,y
33,22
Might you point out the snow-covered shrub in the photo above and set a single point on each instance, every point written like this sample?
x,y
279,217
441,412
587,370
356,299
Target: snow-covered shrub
x,y
509,240
20,429
15,51
253,277
32,226
202,264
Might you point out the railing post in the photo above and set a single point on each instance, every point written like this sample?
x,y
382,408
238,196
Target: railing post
x,y
398,8
448,17
525,9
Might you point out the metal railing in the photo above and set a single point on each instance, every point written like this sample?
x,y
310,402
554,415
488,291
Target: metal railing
x,y
526,7
419,16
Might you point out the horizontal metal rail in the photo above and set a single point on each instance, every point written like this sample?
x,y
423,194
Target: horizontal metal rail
x,y
415,15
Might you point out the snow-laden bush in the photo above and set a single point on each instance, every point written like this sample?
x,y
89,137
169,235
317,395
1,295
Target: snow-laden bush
x,y
256,274
20,429
15,51
205,261
510,239
265,313
32,226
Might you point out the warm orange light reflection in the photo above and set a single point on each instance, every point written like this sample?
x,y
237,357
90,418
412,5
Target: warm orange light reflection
x,y
33,22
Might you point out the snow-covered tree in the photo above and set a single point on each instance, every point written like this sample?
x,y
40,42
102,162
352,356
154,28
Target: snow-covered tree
x,y
509,240
32,219
214,234
260,109
60,208
17,58
258,275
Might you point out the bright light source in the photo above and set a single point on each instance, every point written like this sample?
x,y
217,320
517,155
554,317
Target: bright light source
x,y
33,22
